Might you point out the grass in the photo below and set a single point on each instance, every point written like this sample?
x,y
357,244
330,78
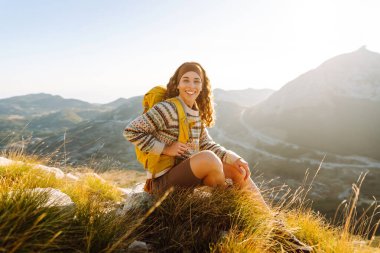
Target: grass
x,y
204,220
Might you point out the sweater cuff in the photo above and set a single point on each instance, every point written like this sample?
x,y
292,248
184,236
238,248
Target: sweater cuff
x,y
158,147
231,157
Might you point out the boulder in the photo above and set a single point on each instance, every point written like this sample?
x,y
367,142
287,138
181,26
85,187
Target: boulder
x,y
72,177
57,172
5,162
138,188
141,201
138,247
56,198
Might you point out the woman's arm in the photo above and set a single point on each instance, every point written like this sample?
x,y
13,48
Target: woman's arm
x,y
141,130
227,156
207,143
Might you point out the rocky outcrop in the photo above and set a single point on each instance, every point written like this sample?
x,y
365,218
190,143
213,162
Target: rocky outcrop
x,y
52,170
56,198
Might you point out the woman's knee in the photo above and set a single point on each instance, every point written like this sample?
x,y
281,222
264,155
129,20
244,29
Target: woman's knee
x,y
204,163
211,160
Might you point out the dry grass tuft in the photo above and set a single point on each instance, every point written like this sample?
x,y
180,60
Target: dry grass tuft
x,y
203,220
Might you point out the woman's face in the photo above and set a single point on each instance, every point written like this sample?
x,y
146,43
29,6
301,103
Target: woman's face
x,y
190,86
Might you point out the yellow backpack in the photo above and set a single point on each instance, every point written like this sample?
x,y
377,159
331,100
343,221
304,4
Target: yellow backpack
x,y
152,162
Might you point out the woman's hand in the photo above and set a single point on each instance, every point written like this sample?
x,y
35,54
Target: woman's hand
x,y
175,149
241,165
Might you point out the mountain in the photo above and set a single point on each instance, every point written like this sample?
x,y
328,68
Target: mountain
x,y
246,97
334,108
45,114
56,121
97,140
116,103
126,109
39,104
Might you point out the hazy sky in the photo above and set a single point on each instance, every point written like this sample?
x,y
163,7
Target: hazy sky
x,y
101,50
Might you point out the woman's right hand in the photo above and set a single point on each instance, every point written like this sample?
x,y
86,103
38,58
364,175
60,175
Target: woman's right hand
x,y
175,149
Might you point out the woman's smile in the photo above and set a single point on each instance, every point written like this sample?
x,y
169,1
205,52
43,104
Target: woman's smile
x,y
189,87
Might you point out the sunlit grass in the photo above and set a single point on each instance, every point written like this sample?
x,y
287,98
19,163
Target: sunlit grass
x,y
203,220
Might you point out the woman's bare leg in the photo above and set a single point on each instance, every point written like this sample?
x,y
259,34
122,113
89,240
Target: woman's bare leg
x,y
208,167
248,184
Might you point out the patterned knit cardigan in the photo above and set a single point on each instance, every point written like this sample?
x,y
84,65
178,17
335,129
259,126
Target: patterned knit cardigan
x,y
159,127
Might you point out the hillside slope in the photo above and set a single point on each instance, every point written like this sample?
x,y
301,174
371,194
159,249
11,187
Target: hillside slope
x,y
334,108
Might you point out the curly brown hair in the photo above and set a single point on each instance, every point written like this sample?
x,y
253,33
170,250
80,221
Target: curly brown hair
x,y
204,100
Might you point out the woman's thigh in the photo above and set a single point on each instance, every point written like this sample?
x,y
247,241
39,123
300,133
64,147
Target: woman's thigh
x,y
180,175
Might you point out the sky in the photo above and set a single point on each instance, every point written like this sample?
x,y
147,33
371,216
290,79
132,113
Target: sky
x,y
98,51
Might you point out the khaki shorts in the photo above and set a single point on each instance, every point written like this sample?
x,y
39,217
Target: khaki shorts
x,y
180,175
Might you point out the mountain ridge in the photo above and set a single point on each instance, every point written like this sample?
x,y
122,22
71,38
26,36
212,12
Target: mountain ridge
x,y
321,108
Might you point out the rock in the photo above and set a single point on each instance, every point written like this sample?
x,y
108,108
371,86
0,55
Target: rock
x,y
57,172
72,177
138,188
56,197
93,174
5,162
138,247
137,201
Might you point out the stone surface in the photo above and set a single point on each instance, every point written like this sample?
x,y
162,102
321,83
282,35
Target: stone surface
x,y
72,177
57,172
137,201
56,197
138,247
5,162
138,188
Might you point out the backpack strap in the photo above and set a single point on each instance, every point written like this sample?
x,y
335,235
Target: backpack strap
x,y
183,136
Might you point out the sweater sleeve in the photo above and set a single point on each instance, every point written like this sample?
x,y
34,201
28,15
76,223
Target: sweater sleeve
x,y
142,130
207,143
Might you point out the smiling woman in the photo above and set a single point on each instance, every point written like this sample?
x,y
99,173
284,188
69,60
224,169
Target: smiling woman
x,y
197,160
203,161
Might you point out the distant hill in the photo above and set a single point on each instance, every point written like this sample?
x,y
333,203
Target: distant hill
x,y
247,97
126,109
39,104
333,108
98,139
43,114
116,103
56,121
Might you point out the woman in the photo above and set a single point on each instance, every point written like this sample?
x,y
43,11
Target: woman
x,y
201,161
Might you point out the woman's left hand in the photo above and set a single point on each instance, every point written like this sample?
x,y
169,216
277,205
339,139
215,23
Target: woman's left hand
x,y
241,165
